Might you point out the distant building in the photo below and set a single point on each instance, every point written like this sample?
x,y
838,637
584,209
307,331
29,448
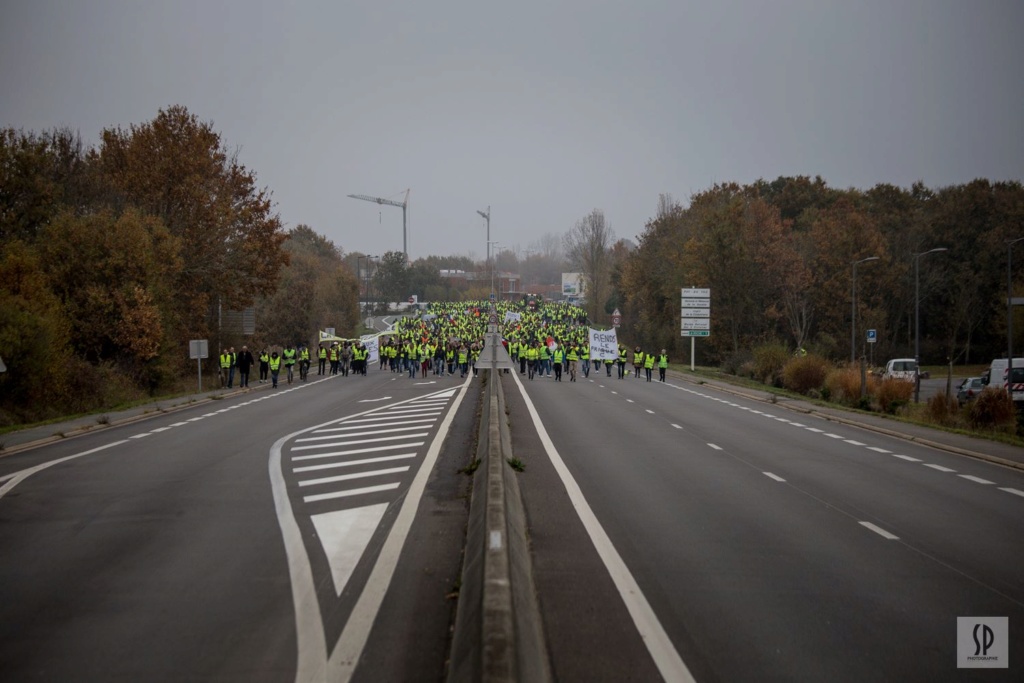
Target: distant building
x,y
573,287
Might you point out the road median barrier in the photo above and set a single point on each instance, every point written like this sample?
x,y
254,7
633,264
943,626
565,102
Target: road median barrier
x,y
499,635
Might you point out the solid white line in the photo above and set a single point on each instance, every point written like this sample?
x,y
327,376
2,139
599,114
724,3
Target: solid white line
x,y
355,475
350,463
427,420
876,449
664,654
352,443
905,457
940,468
390,430
17,477
773,476
349,493
717,448
977,480
1013,491
854,443
880,531
357,451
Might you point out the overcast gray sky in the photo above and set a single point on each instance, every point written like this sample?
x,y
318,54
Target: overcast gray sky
x,y
542,110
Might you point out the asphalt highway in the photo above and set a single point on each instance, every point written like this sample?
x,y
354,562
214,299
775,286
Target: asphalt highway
x,y
768,545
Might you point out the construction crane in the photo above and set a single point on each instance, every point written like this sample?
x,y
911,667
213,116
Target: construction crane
x,y
391,202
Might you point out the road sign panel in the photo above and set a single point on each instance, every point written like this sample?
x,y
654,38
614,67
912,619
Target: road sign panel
x,y
696,303
696,323
696,333
872,336
198,348
697,292
696,312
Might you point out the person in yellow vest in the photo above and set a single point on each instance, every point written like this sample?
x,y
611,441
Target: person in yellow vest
x,y
622,360
288,358
648,365
557,357
532,358
225,367
333,356
303,363
662,365
264,365
638,362
275,368
463,360
572,356
585,359
321,355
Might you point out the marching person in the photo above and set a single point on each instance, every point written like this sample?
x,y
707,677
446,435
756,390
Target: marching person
x,y
264,365
572,356
225,368
557,356
321,355
648,365
662,365
245,361
622,360
288,356
638,362
275,368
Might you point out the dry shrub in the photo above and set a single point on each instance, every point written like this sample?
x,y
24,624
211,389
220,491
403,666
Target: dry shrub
x,y
993,409
893,394
805,374
843,386
769,360
943,409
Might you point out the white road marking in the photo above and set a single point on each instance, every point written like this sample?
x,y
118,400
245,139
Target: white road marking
x,y
139,436
427,420
374,400
355,475
377,439
649,411
344,535
16,478
717,448
194,419
390,430
940,468
880,531
853,443
348,493
797,424
876,449
905,457
664,654
159,429
357,451
629,400
977,480
1013,491
495,540
816,430
676,426
350,463
833,436
773,476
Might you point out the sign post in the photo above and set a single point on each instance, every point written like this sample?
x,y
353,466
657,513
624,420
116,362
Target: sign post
x,y
199,349
695,316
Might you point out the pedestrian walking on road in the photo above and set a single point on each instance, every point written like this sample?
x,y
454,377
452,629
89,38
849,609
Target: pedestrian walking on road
x,y
264,365
662,365
275,368
245,361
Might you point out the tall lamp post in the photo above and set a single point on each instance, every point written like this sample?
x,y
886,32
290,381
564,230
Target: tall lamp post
x,y
487,217
489,246
917,319
1009,312
853,309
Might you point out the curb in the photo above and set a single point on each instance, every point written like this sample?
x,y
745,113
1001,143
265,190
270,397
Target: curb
x,y
94,428
956,450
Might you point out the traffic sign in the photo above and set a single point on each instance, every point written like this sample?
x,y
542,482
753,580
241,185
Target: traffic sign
x,y
198,348
872,336
704,292
493,297
696,323
616,318
696,333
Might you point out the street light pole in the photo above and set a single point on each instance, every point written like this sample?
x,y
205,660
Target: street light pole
x,y
917,318
489,243
853,309
1009,312
487,217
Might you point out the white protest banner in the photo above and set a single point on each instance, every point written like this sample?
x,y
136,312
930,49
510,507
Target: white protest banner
x,y
511,315
372,345
603,344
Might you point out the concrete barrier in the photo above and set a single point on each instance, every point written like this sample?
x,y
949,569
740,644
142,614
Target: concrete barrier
x,y
499,635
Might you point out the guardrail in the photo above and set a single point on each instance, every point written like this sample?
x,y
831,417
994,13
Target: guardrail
x,y
499,635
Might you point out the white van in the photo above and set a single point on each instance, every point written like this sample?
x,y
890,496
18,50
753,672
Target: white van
x,y
997,376
901,368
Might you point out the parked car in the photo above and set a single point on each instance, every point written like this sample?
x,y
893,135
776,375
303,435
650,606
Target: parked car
x,y
901,368
969,389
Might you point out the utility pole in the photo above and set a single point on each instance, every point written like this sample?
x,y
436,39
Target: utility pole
x,y
404,204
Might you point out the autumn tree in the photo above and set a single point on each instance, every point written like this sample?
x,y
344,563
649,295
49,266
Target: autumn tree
x,y
178,170
586,248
